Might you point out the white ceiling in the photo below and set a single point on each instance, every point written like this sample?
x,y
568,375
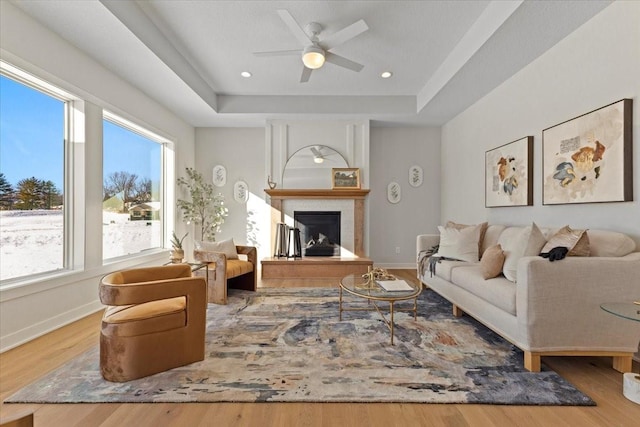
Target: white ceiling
x,y
188,55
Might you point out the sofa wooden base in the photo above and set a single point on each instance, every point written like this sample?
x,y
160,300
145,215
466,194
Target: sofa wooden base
x,y
622,361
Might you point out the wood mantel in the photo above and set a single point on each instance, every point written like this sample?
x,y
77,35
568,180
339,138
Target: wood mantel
x,y
317,194
358,197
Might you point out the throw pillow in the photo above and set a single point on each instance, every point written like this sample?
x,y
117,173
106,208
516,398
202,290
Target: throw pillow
x,y
577,241
492,261
518,242
228,247
483,231
461,244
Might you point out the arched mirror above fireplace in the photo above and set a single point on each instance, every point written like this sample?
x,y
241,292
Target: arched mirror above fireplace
x,y
310,167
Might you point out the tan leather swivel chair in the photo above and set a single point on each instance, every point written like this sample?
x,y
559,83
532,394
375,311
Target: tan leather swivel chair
x,y
155,321
226,273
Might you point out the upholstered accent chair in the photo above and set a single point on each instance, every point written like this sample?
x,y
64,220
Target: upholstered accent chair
x,y
229,266
154,321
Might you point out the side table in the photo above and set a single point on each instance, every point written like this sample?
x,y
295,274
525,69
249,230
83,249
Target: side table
x,y
629,311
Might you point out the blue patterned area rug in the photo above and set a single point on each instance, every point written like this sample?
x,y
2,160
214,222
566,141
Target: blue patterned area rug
x,y
287,345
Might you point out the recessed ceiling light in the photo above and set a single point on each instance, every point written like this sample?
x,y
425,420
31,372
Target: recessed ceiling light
x,y
386,74
245,74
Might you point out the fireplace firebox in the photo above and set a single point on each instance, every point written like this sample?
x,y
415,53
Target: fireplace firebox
x,y
319,232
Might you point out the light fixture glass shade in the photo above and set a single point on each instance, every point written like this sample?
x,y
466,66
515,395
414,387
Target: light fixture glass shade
x,y
318,159
313,57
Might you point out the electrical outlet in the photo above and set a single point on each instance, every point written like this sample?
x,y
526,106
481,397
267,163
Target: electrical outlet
x,y
397,249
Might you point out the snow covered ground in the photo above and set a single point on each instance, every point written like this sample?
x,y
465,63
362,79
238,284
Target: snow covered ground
x,y
31,241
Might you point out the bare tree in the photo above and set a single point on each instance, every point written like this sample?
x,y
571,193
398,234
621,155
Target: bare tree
x,y
142,191
121,182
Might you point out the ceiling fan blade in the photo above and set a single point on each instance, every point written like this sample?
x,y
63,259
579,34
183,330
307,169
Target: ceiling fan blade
x,y
315,152
306,73
295,28
279,53
343,62
344,34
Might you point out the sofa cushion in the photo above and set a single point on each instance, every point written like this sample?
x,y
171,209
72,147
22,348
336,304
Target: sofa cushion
x,y
459,243
483,230
492,261
236,267
146,318
576,241
498,291
610,243
444,268
491,236
518,242
228,247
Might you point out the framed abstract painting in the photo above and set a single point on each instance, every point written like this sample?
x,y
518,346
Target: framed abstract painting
x,y
588,159
508,174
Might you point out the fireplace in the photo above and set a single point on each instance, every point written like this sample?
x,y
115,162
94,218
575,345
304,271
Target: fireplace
x,y
319,232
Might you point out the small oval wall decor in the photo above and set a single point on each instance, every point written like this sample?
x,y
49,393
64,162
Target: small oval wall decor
x,y
415,176
394,192
241,192
219,176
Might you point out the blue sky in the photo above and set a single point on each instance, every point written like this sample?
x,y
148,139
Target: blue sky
x,y
32,131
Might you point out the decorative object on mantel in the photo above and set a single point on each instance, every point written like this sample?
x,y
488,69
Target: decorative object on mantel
x,y
508,174
394,192
240,192
271,184
415,176
219,175
177,253
204,208
345,178
588,159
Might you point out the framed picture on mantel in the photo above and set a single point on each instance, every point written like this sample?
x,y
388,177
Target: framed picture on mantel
x,y
345,178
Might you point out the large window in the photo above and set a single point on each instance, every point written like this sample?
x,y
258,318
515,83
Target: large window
x,y
132,190
32,159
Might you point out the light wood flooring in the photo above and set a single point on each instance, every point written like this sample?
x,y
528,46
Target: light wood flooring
x,y
24,364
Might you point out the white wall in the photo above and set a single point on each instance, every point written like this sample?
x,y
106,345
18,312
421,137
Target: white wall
x,y
242,152
393,151
44,305
592,67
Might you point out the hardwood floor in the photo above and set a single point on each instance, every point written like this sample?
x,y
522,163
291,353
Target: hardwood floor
x,y
22,365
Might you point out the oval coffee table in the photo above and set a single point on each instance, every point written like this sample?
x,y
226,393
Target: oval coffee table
x,y
360,286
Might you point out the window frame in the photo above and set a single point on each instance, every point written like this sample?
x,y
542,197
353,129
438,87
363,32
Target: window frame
x,y
165,146
83,142
33,82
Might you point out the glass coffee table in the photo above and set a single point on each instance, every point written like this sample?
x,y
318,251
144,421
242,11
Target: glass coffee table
x,y
362,287
626,310
630,311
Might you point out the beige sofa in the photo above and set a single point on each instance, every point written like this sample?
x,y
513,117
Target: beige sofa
x,y
551,308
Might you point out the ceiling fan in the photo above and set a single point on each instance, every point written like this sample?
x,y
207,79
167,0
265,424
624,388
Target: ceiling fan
x,y
316,51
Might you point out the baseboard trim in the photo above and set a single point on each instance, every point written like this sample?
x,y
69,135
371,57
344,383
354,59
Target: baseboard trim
x,y
34,331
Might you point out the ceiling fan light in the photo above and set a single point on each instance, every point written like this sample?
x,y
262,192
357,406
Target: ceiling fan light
x,y
313,57
318,159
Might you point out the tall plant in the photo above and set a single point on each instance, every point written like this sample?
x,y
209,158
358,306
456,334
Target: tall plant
x,y
205,208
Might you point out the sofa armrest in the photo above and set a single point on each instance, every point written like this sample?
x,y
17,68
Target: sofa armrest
x,y
250,251
558,303
426,241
